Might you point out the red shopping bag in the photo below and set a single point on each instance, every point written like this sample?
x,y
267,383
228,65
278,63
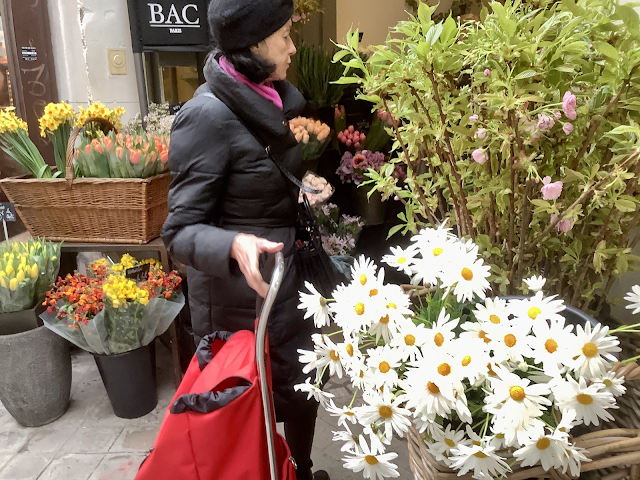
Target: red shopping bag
x,y
215,426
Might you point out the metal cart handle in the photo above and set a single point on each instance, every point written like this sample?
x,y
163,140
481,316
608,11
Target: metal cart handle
x,y
274,286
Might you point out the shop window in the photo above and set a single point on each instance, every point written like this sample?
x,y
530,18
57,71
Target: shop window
x,y
173,77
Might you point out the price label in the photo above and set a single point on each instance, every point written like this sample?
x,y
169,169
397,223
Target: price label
x,y
7,212
139,273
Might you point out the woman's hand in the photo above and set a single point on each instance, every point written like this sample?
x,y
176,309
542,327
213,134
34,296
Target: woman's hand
x,y
245,250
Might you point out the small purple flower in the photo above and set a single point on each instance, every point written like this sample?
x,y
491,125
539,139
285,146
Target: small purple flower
x,y
568,128
545,122
479,156
569,105
551,191
473,118
487,73
481,133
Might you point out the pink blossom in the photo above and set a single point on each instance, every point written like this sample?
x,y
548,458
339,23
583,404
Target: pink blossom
x,y
481,133
296,18
563,225
557,114
545,122
569,105
487,73
473,118
551,191
568,128
479,156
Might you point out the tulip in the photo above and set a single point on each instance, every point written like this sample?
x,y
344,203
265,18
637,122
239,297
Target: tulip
x,y
34,270
108,144
20,276
3,282
119,152
87,149
164,156
13,284
134,156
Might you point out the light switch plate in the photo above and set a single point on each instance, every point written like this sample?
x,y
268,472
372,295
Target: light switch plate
x,y
117,58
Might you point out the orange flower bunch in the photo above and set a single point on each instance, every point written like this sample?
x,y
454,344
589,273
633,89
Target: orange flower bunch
x,y
82,297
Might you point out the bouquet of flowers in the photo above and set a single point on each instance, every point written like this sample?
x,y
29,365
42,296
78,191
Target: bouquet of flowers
x,y
489,382
122,156
56,123
312,136
339,232
27,270
353,167
316,182
115,309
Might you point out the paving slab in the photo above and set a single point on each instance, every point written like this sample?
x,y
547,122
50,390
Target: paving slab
x,y
25,466
118,467
12,440
92,440
72,467
135,439
48,439
4,459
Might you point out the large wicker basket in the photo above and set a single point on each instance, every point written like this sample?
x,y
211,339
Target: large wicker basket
x,y
615,453
103,210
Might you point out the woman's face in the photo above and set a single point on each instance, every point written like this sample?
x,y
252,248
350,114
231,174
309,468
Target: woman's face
x,y
277,49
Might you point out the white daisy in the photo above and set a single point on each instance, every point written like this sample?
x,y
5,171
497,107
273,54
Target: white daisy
x,y
383,362
363,272
590,403
546,449
535,283
444,441
424,422
472,357
360,374
327,352
354,309
592,351
344,414
493,311
312,360
469,276
424,396
376,464
633,297
515,402
401,259
550,345
461,405
348,351
483,460
536,308
314,391
442,369
511,344
572,460
612,384
436,251
408,339
486,332
350,440
315,306
382,408
441,332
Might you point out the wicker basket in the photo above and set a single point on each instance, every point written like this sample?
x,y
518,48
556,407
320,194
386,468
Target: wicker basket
x,y
615,452
102,210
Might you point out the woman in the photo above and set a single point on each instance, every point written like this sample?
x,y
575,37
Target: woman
x,y
229,204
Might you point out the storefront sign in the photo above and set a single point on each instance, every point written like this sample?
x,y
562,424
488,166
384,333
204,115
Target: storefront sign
x,y
168,25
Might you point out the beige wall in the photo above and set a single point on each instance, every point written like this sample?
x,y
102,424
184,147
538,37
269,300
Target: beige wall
x,y
373,17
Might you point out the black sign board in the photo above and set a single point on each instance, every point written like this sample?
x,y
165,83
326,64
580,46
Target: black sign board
x,y
139,273
168,25
7,212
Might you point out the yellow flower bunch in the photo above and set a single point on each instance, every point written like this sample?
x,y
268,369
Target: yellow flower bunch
x,y
99,110
126,262
10,122
121,290
55,114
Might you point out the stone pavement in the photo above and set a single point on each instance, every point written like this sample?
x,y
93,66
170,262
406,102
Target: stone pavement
x,y
90,443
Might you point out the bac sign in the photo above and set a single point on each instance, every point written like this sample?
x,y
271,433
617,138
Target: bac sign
x,y
171,24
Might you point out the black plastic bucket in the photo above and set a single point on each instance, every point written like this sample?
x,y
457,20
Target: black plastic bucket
x,y
130,381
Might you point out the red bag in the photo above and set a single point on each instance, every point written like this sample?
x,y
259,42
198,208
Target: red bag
x,y
215,426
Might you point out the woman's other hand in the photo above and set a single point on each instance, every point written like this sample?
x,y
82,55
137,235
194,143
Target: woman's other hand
x,y
246,250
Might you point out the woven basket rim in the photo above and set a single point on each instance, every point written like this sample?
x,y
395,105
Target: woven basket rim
x,y
22,179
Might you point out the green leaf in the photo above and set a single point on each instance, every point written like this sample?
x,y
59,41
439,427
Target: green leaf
x,y
394,230
425,12
526,74
623,129
340,55
346,81
607,50
433,34
354,41
449,30
625,205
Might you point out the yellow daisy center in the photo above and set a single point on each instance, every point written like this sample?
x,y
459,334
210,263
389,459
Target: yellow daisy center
x,y
483,336
359,308
584,399
373,292
590,350
476,442
385,319
385,411
607,383
500,435
363,279
349,414
433,388
402,260
517,393
410,340
361,373
494,319
467,274
437,251
349,349
551,345
543,443
438,339
466,361
371,460
334,355
533,312
444,369
392,305
490,369
480,455
450,442
384,367
510,340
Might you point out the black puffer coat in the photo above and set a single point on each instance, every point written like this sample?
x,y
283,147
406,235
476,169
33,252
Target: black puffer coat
x,y
223,183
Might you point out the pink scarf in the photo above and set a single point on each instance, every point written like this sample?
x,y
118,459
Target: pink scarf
x,y
266,90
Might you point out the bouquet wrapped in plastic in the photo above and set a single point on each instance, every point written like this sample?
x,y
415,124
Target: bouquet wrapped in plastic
x,y
116,309
312,136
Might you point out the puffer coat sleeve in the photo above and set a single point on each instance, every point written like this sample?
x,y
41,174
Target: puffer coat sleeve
x,y
198,170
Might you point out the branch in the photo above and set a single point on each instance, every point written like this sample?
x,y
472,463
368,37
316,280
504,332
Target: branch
x,y
526,214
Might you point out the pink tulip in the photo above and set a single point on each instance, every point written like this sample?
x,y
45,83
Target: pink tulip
x,y
134,156
551,191
119,152
568,128
473,118
479,156
569,105
87,149
108,144
164,156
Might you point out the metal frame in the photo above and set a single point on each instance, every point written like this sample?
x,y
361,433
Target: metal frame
x,y
274,286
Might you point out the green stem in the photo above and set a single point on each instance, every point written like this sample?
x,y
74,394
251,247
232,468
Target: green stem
x,y
354,397
486,425
625,328
317,384
334,333
629,360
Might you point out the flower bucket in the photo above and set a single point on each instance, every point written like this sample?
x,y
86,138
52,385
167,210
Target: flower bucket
x,y
35,376
21,321
130,380
372,210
